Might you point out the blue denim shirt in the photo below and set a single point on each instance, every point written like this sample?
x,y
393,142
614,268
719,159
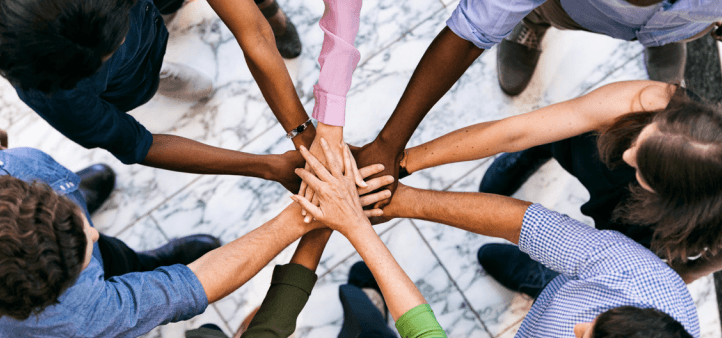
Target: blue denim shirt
x,y
487,22
94,113
123,306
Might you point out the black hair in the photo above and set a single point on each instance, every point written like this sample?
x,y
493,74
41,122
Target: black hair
x,y
51,45
634,322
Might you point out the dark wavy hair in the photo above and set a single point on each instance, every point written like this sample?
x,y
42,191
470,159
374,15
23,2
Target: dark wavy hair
x,y
51,45
682,163
634,322
42,247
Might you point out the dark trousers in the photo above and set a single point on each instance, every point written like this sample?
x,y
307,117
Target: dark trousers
x,y
361,319
119,259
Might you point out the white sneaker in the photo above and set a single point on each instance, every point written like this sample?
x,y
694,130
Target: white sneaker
x,y
183,83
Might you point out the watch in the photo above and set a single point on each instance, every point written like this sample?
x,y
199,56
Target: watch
x,y
295,131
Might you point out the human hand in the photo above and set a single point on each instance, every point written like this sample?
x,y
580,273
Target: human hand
x,y
375,152
284,166
340,207
332,135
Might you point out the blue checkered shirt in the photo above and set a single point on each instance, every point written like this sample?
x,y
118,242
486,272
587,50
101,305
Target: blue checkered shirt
x,y
600,270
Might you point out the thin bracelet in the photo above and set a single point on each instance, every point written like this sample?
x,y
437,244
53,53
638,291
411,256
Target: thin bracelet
x,y
295,131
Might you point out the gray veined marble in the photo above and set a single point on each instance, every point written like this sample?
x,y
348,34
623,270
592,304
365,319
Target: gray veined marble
x,y
151,206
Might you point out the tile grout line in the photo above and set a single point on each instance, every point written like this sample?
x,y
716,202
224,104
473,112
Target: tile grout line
x,y
448,274
586,90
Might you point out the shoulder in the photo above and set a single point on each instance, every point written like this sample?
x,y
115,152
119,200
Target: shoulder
x,y
653,96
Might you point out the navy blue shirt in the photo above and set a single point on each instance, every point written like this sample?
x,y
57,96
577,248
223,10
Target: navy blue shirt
x,y
94,113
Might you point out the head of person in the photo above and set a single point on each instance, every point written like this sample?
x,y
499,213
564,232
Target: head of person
x,y
632,322
51,45
677,154
45,242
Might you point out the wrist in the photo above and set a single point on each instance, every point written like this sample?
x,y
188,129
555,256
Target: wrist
x,y
329,132
305,138
358,229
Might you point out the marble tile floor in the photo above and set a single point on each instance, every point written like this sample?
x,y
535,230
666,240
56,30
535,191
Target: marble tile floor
x,y
150,206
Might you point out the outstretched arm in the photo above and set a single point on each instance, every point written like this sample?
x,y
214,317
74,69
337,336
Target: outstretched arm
x,y
446,59
227,268
256,39
484,214
181,154
559,121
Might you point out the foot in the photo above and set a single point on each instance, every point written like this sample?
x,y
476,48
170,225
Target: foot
x,y
361,277
184,83
514,269
517,57
509,171
666,63
184,250
287,39
96,184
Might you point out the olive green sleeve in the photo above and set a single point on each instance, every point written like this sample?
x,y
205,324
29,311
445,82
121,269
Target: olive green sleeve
x,y
420,322
291,286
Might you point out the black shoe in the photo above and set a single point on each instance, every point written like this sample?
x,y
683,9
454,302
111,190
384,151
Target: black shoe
x,y
289,44
361,277
287,40
514,269
517,57
666,63
184,250
509,171
96,184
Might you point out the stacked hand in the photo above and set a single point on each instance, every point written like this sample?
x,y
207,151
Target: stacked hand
x,y
339,205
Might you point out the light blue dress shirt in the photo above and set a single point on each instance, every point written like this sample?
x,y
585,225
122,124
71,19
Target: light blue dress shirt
x,y
487,22
600,270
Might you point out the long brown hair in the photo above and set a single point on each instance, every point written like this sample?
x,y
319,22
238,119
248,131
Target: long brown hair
x,y
682,163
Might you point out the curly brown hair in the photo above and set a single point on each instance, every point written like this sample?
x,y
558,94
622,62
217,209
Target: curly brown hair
x,y
682,163
42,246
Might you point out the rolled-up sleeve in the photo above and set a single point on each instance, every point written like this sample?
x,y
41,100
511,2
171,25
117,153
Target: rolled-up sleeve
x,y
135,303
92,122
338,60
486,22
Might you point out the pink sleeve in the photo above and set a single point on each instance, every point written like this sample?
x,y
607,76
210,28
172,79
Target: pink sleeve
x,y
338,59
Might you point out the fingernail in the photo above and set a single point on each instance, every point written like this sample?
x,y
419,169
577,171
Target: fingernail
x,y
303,212
382,166
307,219
323,142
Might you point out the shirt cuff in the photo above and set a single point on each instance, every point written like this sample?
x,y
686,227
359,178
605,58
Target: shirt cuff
x,y
329,109
460,24
533,217
294,275
418,321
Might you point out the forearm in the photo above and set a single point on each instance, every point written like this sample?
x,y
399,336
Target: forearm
x,y
256,39
484,214
466,144
227,268
446,59
399,291
310,248
181,154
